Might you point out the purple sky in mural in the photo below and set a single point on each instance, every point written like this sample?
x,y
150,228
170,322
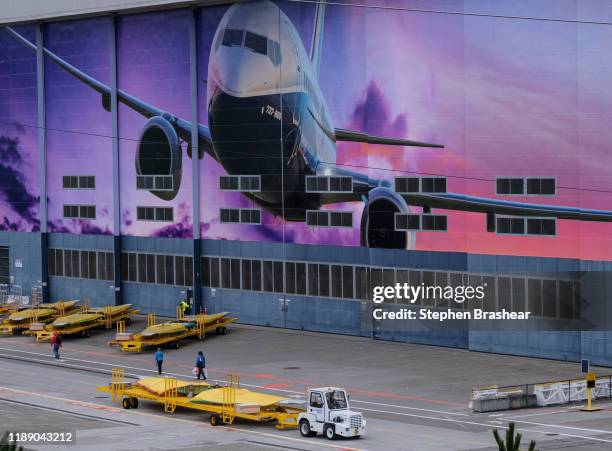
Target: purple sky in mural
x,y
505,97
19,187
153,65
78,127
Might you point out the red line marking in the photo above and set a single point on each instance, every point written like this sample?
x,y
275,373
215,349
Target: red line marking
x,y
272,386
148,360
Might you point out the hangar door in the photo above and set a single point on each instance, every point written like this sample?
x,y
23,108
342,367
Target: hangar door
x,y
4,265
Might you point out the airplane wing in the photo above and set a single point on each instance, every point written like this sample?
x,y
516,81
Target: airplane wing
x,y
362,185
463,202
147,110
341,134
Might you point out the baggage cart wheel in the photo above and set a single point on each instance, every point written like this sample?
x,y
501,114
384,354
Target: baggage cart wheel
x,y
305,428
224,330
125,402
85,334
177,344
128,321
215,420
134,403
329,432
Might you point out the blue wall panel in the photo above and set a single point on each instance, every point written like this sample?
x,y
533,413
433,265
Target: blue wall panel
x,y
98,292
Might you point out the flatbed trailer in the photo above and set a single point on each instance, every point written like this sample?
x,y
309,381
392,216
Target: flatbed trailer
x,y
8,328
137,342
84,330
129,395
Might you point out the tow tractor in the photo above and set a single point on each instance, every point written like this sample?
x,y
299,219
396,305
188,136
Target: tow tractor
x,y
328,413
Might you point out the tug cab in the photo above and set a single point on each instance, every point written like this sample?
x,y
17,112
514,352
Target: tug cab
x,y
328,413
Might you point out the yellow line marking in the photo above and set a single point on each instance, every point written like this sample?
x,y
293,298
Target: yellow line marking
x,y
182,420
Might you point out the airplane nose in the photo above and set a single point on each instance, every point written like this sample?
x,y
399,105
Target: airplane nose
x,y
241,72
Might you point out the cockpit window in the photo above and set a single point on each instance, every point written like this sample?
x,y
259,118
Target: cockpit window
x,y
232,37
252,41
256,43
274,52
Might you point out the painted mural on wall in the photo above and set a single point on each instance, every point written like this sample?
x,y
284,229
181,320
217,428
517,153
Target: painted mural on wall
x,y
156,71
19,188
287,90
78,127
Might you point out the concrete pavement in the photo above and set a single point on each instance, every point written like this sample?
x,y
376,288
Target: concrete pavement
x,y
414,397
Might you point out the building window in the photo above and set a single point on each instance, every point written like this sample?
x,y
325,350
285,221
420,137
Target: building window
x,y
162,214
336,281
155,182
313,279
537,186
246,275
510,225
214,273
329,184
420,185
79,182
541,186
324,280
51,262
250,183
106,270
290,277
436,223
329,218
240,216
268,278
256,275
243,183
59,262
514,225
250,216
133,264
361,283
347,282
205,271
549,298
426,222
278,277
510,186
407,221
433,185
407,184
541,226
80,211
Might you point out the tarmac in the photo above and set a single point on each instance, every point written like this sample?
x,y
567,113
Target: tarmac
x,y
414,397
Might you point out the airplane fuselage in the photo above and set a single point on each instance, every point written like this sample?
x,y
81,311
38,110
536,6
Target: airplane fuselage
x,y
266,112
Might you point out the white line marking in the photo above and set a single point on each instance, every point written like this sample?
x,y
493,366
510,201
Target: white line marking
x,y
184,420
536,414
246,385
565,427
384,411
453,420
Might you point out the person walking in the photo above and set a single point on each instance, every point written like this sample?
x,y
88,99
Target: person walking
x,y
56,344
200,364
159,359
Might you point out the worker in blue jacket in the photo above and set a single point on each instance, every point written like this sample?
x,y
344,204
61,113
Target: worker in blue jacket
x,y
159,359
200,364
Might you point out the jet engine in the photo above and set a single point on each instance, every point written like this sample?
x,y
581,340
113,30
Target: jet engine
x,y
159,158
378,221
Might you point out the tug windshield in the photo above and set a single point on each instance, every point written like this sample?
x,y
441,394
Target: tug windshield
x,y
336,400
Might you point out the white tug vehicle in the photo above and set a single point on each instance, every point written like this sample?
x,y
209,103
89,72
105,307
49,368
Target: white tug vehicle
x,y
329,413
